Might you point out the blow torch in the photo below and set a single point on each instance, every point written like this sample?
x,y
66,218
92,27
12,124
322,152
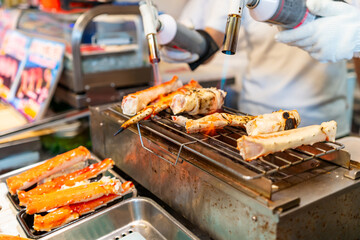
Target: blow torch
x,y
150,22
285,13
165,31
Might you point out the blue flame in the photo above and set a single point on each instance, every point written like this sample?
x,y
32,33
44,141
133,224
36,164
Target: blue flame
x,y
226,66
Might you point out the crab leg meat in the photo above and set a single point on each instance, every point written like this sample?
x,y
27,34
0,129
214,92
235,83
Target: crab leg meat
x,y
159,106
273,122
252,147
66,214
180,120
51,166
76,194
267,123
198,101
67,180
133,103
213,121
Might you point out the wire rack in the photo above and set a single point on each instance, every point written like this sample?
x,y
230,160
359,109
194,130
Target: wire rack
x,y
224,143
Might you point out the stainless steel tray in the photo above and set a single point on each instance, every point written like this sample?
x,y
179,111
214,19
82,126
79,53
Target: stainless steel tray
x,y
26,221
126,219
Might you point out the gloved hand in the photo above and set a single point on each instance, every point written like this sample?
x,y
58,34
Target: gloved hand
x,y
333,37
173,55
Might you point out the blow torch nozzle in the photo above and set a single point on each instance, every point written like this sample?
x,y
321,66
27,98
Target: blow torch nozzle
x,y
231,34
233,27
154,55
149,16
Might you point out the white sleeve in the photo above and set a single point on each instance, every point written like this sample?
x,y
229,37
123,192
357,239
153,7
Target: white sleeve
x,y
205,13
355,3
193,14
217,15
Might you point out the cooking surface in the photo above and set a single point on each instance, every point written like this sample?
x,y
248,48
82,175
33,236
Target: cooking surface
x,y
225,141
265,175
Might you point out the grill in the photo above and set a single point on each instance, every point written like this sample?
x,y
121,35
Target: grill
x,y
203,177
219,149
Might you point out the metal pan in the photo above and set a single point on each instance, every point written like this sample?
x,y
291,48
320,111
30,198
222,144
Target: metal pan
x,y
130,219
26,221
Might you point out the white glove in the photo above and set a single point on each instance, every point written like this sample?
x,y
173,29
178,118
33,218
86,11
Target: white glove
x,y
333,37
173,55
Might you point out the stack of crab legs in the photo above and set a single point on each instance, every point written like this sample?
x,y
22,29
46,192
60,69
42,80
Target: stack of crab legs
x,y
190,98
266,134
69,196
163,103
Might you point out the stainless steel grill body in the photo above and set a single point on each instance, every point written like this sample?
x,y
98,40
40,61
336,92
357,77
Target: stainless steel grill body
x,y
312,200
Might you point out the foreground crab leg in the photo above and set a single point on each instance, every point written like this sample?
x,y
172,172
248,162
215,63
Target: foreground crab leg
x,y
157,107
77,194
67,180
71,212
51,166
252,147
133,103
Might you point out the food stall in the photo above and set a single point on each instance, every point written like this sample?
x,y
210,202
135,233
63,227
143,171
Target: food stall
x,y
170,161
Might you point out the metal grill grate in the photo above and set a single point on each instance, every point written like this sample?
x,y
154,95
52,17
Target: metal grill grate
x,y
225,142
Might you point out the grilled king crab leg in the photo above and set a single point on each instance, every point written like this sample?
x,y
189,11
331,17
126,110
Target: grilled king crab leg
x,y
157,107
51,166
252,147
67,180
133,103
273,122
213,121
63,215
254,125
72,195
198,101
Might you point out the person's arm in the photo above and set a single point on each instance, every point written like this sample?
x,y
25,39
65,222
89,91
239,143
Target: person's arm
x,y
216,35
333,36
209,16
